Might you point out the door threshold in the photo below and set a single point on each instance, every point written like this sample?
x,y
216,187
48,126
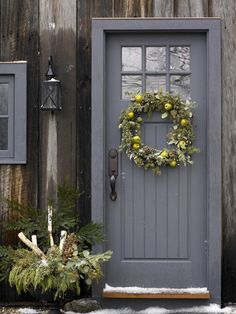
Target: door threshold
x,y
155,293
120,295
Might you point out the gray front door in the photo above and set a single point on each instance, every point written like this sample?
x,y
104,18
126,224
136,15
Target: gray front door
x,y
165,231
157,227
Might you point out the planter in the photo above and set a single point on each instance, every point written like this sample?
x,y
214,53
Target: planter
x,y
47,299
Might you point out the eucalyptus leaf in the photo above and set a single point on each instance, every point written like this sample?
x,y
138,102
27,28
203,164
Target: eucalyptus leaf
x,y
164,115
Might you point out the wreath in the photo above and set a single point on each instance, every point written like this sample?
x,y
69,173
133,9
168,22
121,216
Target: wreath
x,y
180,136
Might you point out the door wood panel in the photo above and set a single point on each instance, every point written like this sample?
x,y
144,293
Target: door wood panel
x,y
157,227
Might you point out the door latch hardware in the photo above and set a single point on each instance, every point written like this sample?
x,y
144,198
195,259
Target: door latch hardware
x,y
113,171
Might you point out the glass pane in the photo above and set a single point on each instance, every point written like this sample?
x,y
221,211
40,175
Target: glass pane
x,y
131,58
180,58
155,58
155,83
3,133
3,99
180,84
131,84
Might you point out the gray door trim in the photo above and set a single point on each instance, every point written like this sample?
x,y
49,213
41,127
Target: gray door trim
x,y
212,27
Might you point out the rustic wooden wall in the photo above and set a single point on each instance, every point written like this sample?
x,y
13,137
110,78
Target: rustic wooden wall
x,y
59,145
228,15
19,41
57,132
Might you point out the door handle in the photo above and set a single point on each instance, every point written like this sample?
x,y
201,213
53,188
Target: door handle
x,y
113,172
113,194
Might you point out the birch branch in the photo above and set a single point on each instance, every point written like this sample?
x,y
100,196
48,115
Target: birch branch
x,y
32,246
34,239
50,225
62,240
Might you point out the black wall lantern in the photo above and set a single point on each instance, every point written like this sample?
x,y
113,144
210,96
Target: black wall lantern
x,y
51,91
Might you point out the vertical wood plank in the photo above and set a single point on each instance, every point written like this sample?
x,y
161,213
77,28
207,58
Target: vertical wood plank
x,y
128,211
58,131
86,10
191,8
138,214
19,41
163,8
228,14
229,111
172,209
150,198
84,109
184,204
134,8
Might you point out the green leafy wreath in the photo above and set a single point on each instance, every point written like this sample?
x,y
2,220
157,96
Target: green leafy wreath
x,y
180,136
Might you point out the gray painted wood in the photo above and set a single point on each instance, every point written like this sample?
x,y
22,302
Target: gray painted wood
x,y
18,114
150,239
112,215
137,192
7,153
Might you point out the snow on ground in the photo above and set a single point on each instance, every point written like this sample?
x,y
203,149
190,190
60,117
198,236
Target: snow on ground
x,y
29,311
212,308
153,290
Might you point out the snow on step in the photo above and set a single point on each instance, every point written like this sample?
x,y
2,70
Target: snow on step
x,y
141,290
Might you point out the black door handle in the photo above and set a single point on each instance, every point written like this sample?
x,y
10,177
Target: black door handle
x,y
113,172
113,194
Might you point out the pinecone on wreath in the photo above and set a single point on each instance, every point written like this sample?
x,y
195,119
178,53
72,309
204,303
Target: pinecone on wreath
x,y
147,150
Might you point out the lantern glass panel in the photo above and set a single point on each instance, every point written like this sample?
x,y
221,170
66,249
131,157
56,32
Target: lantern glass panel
x,y
51,95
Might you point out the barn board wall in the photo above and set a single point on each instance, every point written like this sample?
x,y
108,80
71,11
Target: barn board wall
x,y
19,41
57,37
228,15
85,11
69,43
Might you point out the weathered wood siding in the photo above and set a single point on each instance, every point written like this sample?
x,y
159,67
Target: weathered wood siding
x,y
19,41
57,132
59,145
227,11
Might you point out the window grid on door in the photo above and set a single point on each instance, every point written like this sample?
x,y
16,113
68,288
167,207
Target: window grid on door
x,y
151,68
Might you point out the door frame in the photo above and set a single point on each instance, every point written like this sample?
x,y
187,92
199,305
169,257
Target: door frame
x,y
212,28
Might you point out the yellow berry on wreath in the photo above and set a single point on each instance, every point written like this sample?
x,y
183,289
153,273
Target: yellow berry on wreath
x,y
182,144
130,115
173,163
183,122
138,98
136,146
168,106
136,139
164,154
